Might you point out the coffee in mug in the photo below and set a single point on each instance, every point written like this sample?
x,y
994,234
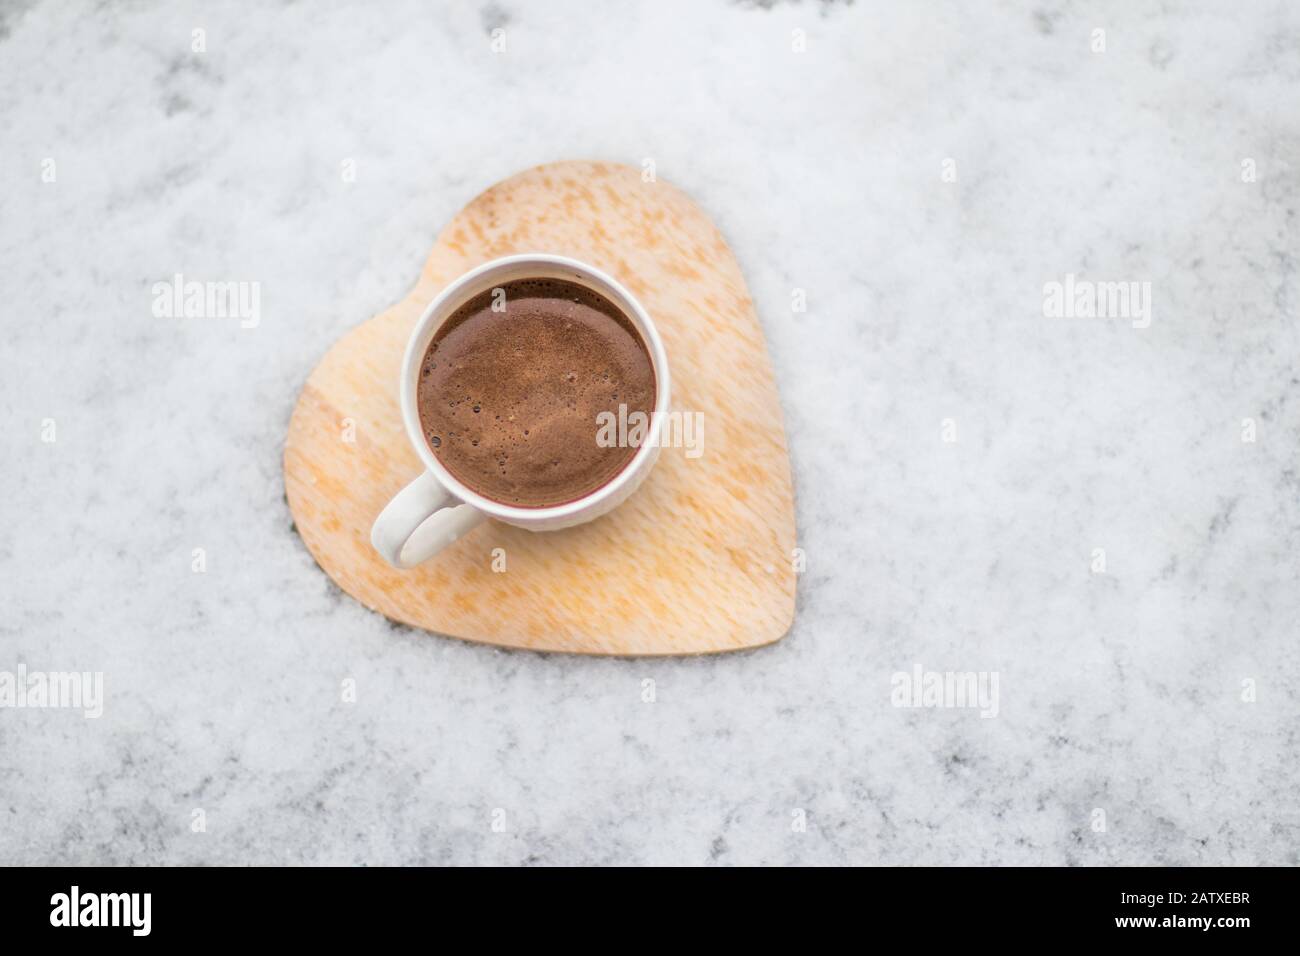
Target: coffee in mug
x,y
513,385
510,385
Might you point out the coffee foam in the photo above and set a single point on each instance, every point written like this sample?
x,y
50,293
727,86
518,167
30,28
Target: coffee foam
x,y
509,400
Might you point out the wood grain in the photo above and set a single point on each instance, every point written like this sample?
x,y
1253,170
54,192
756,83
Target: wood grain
x,y
698,560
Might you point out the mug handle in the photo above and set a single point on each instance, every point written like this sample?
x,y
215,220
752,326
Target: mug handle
x,y
422,520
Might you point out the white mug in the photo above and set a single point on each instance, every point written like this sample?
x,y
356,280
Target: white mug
x,y
435,509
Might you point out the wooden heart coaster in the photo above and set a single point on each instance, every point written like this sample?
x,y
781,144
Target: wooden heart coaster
x,y
700,559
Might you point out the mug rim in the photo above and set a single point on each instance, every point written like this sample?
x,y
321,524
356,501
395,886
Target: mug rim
x,y
414,356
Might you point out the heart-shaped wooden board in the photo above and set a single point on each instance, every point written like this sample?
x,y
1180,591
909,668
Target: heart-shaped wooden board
x,y
700,559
